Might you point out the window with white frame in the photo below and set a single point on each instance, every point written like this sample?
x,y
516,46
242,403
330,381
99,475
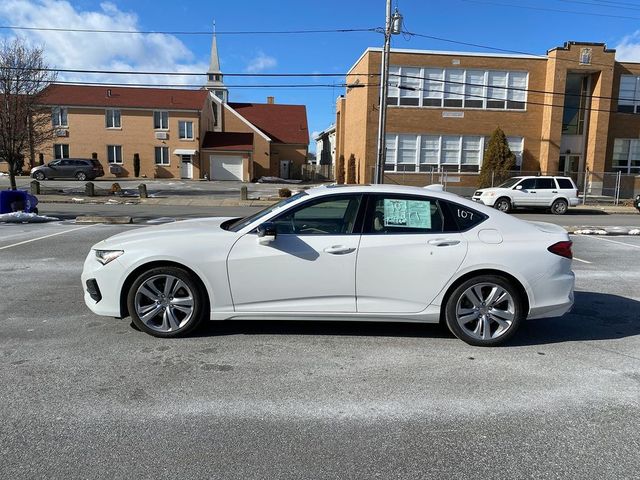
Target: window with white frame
x,y
458,88
162,156
61,150
59,117
452,153
626,155
161,120
185,130
629,97
114,154
112,118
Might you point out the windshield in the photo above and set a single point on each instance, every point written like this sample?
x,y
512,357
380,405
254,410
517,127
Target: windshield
x,y
510,183
243,222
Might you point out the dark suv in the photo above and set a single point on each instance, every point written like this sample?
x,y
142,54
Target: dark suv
x,y
79,168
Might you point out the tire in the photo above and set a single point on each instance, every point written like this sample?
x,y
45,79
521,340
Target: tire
x,y
164,310
559,207
38,176
81,176
473,317
503,204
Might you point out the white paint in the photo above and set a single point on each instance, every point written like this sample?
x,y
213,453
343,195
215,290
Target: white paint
x,y
582,261
612,241
46,236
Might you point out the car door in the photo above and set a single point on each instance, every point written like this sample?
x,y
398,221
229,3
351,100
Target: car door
x,y
309,267
53,169
525,194
66,168
408,252
547,190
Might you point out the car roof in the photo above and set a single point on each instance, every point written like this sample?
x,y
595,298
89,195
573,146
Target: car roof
x,y
384,188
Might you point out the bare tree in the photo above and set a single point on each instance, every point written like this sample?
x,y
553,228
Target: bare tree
x,y
24,123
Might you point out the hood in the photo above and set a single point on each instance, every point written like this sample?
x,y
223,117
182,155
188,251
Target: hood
x,y
182,230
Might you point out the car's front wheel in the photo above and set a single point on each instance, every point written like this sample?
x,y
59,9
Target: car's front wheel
x,y
484,311
38,176
503,204
81,176
559,207
167,302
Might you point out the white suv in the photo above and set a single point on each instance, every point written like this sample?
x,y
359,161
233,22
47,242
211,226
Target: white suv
x,y
556,193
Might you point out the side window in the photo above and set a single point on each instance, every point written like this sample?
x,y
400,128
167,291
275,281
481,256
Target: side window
x,y
393,214
335,215
545,183
565,183
528,184
66,163
461,217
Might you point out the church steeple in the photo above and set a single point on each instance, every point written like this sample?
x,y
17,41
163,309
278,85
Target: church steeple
x,y
214,74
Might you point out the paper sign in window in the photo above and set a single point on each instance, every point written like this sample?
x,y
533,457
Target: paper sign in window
x,y
407,213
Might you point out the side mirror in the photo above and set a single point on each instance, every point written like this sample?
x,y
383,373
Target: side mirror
x,y
266,233
519,187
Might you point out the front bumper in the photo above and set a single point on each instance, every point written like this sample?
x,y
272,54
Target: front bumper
x,y
102,295
488,201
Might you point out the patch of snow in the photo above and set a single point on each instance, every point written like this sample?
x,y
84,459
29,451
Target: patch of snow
x,y
277,180
77,199
635,231
3,174
590,232
23,217
162,220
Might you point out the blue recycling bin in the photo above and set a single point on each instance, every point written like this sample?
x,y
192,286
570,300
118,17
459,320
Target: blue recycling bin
x,y
17,201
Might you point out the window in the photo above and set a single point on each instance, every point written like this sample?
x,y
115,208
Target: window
x,y
407,153
565,183
334,215
60,150
626,155
403,214
528,184
450,153
161,120
471,154
162,155
59,117
112,118
114,153
629,97
429,153
517,148
545,184
185,130
464,218
390,155
457,88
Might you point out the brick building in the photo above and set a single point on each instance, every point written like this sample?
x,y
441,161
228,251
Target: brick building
x,y
573,109
177,133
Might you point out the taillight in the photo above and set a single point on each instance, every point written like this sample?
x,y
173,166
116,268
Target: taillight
x,y
562,248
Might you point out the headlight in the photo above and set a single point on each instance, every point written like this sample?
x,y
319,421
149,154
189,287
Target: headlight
x,y
105,256
489,194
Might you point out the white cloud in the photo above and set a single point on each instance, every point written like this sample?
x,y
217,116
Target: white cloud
x,y
101,51
628,50
261,63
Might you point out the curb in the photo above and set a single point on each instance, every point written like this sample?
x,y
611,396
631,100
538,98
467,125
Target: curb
x,y
104,219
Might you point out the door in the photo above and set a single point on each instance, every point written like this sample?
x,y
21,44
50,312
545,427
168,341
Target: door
x,y
524,193
408,252
226,167
310,267
546,191
186,166
66,169
54,169
285,169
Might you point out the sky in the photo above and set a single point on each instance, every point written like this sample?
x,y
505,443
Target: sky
x,y
532,26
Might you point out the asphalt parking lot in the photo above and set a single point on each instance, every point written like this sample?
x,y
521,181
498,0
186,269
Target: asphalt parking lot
x,y
90,397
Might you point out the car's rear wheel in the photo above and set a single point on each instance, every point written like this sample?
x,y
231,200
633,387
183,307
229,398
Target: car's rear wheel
x,y
559,207
38,176
167,302
484,311
81,176
503,204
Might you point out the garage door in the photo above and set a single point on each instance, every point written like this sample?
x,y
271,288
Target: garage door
x,y
224,167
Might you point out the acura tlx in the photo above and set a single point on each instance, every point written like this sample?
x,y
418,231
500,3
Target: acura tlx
x,y
370,253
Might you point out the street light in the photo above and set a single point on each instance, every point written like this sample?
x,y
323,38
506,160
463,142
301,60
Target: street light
x,y
393,26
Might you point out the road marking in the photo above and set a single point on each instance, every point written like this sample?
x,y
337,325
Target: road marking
x,y
611,241
46,236
580,260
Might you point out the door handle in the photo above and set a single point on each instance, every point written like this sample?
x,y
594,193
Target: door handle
x,y
532,191
338,250
443,242
554,191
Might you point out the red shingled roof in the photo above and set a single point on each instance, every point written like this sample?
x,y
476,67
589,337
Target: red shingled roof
x,y
132,97
228,141
282,123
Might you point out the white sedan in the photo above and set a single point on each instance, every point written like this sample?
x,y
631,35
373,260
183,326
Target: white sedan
x,y
371,253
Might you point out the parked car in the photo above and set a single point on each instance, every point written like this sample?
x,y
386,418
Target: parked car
x,y
79,168
422,256
555,193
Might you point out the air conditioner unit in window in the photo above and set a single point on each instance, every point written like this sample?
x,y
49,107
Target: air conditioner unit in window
x,y
61,132
162,135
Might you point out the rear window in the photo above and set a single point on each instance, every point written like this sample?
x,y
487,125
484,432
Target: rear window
x,y
565,183
95,163
464,217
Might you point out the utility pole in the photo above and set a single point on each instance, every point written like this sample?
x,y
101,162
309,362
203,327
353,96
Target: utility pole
x,y
393,26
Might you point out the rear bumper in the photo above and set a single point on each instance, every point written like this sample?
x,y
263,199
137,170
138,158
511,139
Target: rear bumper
x,y
554,296
574,202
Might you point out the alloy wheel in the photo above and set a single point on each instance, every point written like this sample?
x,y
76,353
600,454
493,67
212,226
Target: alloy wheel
x,y
164,303
485,311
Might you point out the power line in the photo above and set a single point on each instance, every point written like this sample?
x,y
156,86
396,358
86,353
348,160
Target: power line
x,y
546,9
600,5
178,32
